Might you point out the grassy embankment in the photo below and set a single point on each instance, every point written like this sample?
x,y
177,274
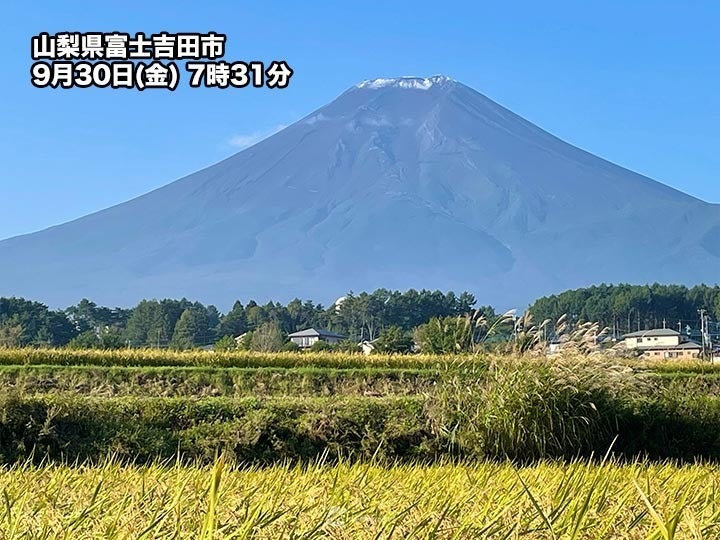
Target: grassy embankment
x,y
140,405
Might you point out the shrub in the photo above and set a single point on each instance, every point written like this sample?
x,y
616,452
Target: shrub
x,y
85,340
250,430
290,346
394,340
224,344
321,345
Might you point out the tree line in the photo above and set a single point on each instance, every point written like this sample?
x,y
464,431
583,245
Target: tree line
x,y
184,324
626,308
393,320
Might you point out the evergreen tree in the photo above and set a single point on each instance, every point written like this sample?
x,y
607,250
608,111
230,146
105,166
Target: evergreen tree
x,y
394,340
186,331
234,322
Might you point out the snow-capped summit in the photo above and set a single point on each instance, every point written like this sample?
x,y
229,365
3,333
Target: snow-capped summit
x,y
414,83
382,187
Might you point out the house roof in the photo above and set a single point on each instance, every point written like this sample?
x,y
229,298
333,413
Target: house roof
x,y
653,333
313,332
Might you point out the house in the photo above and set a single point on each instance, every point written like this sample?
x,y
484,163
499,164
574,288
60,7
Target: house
x,y
307,338
683,351
662,343
664,337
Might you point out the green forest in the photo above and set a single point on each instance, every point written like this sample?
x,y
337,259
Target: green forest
x,y
626,308
184,324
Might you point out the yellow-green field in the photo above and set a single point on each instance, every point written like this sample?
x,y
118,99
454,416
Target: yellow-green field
x,y
362,501
343,446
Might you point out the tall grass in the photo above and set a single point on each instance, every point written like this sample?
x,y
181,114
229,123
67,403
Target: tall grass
x,y
534,407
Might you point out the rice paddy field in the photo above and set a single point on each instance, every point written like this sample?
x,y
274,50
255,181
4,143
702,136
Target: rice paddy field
x,y
156,444
363,501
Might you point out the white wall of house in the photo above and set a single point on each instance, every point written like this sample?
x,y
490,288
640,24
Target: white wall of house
x,y
305,341
651,341
309,341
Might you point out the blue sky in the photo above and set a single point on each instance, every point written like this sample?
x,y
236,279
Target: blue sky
x,y
634,82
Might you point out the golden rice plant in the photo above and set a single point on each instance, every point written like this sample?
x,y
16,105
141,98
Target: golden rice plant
x,y
241,359
548,500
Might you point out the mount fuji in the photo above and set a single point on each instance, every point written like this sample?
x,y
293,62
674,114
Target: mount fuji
x,y
397,183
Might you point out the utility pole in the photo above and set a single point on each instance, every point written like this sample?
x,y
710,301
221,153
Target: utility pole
x,y
708,340
703,331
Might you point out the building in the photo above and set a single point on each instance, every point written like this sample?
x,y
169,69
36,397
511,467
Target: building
x,y
662,343
307,338
662,337
684,351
